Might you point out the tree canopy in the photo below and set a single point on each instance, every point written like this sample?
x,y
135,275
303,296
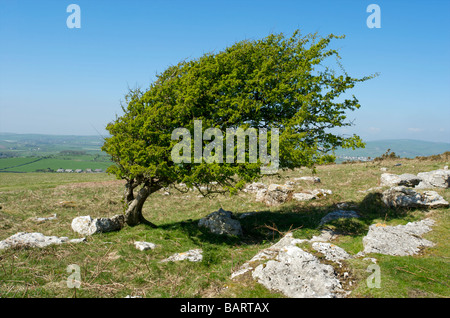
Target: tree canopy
x,y
275,83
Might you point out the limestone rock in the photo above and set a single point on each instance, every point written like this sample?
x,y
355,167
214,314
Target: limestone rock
x,y
191,255
338,214
254,187
221,222
400,240
144,246
85,225
406,179
37,219
311,195
34,240
275,194
308,179
437,178
298,274
266,254
404,197
331,252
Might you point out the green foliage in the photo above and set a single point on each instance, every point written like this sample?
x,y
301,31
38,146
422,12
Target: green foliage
x,y
387,155
275,82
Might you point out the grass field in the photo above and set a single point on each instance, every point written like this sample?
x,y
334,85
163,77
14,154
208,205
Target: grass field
x,y
55,162
112,267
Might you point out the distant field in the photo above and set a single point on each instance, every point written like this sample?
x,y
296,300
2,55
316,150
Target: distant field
x,y
33,164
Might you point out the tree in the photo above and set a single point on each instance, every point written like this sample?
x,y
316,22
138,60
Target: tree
x,y
275,83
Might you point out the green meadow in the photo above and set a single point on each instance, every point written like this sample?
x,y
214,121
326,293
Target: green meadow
x,y
111,266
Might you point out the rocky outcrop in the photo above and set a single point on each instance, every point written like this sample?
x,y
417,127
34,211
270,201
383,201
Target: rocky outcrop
x,y
400,240
408,198
24,239
221,222
85,225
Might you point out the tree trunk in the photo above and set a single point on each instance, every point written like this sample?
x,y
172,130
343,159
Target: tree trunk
x,y
133,213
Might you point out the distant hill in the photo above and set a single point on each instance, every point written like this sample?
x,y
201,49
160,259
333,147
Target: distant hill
x,y
405,148
20,145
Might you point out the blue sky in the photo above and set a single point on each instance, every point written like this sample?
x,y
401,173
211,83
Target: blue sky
x,y
56,80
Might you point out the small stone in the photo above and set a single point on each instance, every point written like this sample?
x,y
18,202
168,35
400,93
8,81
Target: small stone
x,y
194,255
308,179
45,219
144,246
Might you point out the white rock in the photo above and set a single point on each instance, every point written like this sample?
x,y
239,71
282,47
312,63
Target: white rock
x,y
405,197
144,246
275,194
406,179
298,274
85,225
331,252
254,187
45,219
34,240
436,178
194,255
400,240
311,195
308,179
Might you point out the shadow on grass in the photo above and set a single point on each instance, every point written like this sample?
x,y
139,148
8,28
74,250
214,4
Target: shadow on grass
x,y
304,221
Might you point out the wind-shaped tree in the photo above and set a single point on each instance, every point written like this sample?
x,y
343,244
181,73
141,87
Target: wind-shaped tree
x,y
275,83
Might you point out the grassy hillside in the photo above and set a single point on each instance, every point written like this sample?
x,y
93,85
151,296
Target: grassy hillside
x,y
112,267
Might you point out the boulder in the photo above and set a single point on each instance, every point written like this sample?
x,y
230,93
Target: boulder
x,y
275,194
400,240
437,178
221,222
85,225
338,214
191,255
34,240
406,179
408,198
